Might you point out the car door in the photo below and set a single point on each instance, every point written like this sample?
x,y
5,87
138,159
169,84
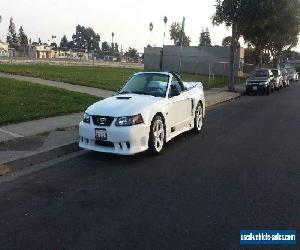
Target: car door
x,y
178,109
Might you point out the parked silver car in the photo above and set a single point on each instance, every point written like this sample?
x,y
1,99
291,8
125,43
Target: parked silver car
x,y
286,80
293,75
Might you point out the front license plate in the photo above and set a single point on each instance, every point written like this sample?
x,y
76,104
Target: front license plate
x,y
100,134
254,87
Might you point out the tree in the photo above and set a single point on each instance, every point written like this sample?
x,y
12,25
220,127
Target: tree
x,y
54,45
151,26
12,38
105,47
63,43
112,37
131,53
117,48
23,41
226,41
71,45
285,35
178,35
165,22
23,38
112,48
86,39
204,39
237,14
40,41
0,22
274,28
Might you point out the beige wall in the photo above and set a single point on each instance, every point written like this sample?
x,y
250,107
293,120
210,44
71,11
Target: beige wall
x,y
4,50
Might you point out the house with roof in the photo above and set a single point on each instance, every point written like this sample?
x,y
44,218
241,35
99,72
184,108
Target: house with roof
x,y
4,50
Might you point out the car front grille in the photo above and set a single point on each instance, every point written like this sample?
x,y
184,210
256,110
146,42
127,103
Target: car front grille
x,y
104,143
105,121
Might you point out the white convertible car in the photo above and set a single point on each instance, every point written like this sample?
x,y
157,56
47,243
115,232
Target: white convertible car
x,y
148,111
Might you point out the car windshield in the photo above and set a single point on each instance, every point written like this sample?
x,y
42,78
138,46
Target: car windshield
x,y
262,73
275,72
154,84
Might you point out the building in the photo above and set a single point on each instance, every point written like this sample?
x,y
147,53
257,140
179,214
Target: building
x,y
47,52
193,59
41,52
4,50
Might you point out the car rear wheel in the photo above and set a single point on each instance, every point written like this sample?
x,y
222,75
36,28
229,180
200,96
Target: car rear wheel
x,y
157,135
198,121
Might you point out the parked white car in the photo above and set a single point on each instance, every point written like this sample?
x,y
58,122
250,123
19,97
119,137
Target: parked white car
x,y
148,111
279,78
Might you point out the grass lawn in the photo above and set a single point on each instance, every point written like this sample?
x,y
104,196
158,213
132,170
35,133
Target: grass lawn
x,y
23,101
93,76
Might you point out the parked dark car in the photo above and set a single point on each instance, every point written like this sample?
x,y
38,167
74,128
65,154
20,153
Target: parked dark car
x,y
260,80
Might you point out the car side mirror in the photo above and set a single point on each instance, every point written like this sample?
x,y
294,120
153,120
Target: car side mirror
x,y
174,91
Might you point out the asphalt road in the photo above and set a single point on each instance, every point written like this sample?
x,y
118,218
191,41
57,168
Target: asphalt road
x,y
242,172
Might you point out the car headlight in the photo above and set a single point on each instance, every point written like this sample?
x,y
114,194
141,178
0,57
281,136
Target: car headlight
x,y
129,120
264,83
86,118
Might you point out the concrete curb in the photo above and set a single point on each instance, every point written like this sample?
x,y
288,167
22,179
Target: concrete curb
x,y
222,99
39,157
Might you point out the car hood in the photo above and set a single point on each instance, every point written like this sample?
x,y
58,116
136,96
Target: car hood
x,y
123,105
258,79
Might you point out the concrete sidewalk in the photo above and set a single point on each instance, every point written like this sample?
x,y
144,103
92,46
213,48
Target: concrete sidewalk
x,y
35,127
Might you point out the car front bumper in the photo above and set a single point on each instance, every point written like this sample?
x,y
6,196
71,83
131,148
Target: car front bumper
x,y
120,140
256,88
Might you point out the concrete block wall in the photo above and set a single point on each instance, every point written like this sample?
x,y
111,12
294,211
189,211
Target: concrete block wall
x,y
152,58
200,60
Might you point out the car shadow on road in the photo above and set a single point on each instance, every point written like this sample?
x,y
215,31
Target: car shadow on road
x,y
172,148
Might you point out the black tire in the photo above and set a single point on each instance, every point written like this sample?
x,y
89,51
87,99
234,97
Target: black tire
x,y
268,91
198,120
154,148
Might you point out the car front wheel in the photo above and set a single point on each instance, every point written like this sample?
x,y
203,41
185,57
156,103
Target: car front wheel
x,y
157,135
198,122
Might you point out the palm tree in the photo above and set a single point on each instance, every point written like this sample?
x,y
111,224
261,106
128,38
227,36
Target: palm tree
x,y
151,26
112,37
165,21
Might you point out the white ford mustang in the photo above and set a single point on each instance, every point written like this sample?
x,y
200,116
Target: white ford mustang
x,y
148,111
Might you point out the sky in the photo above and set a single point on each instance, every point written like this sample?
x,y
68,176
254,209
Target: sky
x,y
129,20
